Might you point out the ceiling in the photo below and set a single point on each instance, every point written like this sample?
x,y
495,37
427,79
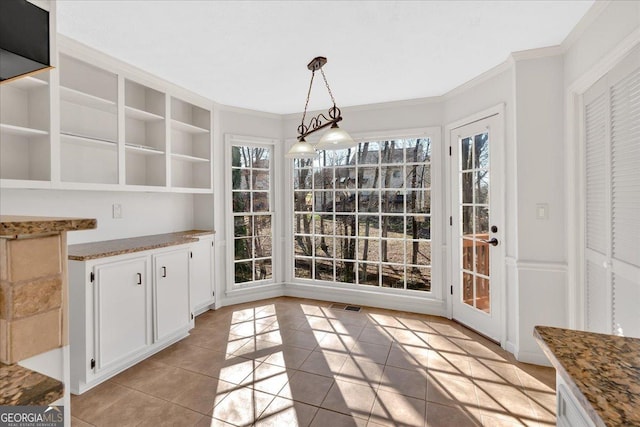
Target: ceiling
x,y
253,54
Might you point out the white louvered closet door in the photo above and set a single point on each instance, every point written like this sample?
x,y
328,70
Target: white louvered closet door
x,y
612,200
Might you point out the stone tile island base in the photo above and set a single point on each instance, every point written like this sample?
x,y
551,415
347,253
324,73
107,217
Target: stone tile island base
x,y
33,302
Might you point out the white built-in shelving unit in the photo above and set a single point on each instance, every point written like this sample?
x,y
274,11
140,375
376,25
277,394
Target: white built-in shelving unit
x,y
190,147
88,123
25,117
145,135
96,123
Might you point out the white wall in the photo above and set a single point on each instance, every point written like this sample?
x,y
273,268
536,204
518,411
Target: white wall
x,y
142,213
598,35
541,244
380,117
486,92
234,121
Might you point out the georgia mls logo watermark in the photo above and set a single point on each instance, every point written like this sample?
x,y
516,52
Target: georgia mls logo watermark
x,y
31,416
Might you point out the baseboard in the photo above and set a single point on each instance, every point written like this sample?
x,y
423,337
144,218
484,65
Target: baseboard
x,y
239,296
409,303
78,386
510,347
532,357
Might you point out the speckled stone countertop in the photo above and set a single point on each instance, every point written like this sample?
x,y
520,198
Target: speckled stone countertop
x,y
14,225
22,386
603,372
107,248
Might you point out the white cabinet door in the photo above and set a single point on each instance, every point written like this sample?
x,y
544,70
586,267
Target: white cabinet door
x,y
121,310
201,274
171,292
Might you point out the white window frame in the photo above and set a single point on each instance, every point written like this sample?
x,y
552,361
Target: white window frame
x,y
438,226
275,201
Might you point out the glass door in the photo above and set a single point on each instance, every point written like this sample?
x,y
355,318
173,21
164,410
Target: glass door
x,y
477,227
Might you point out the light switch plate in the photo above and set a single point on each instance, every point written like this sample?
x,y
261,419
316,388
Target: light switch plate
x,y
542,211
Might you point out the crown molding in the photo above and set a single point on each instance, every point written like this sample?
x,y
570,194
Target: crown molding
x,y
541,52
375,106
72,47
489,74
592,14
248,111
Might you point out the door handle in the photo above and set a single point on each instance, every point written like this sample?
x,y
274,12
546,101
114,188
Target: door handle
x,y
164,271
139,278
493,241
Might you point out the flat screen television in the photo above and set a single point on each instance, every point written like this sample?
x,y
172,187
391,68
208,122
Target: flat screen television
x,y
24,39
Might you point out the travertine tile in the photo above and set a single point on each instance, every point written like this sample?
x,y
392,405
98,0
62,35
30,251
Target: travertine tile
x,y
201,394
35,296
23,252
288,357
452,391
307,388
503,401
242,406
412,385
376,353
408,357
76,422
361,371
324,363
349,398
269,378
326,418
284,412
402,381
31,335
447,416
392,409
238,371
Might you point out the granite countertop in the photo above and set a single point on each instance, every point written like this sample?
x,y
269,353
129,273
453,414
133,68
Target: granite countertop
x,y
603,372
21,386
17,225
107,248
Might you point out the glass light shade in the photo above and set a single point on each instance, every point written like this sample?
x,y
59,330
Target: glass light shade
x,y
335,139
301,150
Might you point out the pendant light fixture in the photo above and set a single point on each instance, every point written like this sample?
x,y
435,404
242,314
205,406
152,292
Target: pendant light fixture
x,y
335,138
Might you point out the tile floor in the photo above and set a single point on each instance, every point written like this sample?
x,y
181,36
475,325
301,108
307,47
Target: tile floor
x,y
294,362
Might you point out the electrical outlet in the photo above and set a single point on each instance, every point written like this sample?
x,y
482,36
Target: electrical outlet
x,y
117,210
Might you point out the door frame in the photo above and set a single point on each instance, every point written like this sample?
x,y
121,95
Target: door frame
x,y
497,157
575,177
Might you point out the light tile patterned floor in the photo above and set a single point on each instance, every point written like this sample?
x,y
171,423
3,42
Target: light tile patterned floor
x,y
294,362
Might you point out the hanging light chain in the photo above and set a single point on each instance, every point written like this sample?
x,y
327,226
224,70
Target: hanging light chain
x,y
321,120
304,115
328,88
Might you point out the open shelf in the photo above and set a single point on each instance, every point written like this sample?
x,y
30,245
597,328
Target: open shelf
x,y
187,158
88,100
25,123
142,149
142,115
87,140
21,131
186,127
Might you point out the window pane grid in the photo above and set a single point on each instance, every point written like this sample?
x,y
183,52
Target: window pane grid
x,y
371,206
474,215
252,218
